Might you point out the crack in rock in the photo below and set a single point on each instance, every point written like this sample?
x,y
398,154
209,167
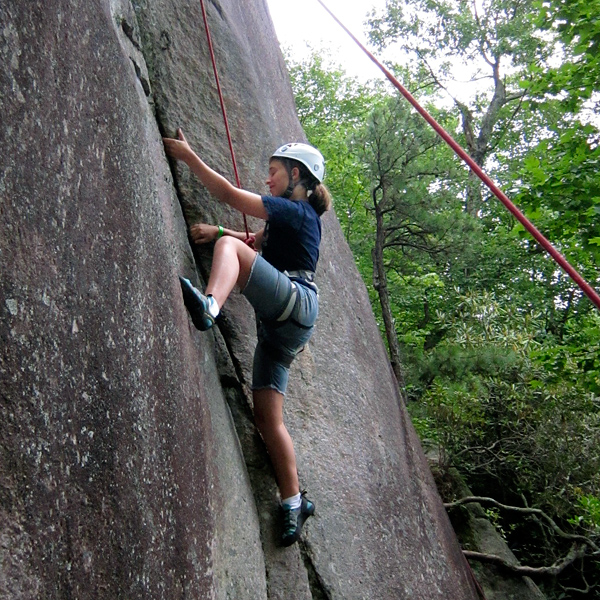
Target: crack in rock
x,y
318,590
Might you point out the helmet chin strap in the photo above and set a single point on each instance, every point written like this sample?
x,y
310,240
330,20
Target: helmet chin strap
x,y
291,185
304,182
290,190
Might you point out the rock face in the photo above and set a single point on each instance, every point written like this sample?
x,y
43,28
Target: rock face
x,y
129,464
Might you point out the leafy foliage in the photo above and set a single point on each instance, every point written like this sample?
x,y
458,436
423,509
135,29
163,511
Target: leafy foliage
x,y
577,25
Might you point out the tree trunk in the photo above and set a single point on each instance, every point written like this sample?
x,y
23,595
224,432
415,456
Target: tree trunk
x,y
479,146
380,285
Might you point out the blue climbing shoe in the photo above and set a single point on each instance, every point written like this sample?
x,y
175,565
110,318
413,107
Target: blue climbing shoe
x,y
197,305
294,518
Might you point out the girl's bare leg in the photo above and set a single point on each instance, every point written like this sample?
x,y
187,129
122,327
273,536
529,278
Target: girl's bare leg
x,y
268,415
232,263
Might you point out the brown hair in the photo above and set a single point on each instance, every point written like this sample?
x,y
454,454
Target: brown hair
x,y
319,196
320,199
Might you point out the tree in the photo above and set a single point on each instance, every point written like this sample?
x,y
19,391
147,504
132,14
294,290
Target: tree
x,y
409,198
493,41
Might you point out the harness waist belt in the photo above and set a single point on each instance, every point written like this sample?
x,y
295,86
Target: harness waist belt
x,y
306,275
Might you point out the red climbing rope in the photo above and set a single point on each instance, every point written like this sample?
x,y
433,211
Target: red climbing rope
x,y
214,64
556,255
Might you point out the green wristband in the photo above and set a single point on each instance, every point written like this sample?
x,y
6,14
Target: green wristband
x,y
220,232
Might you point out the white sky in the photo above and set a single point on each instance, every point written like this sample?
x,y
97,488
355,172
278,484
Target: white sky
x,y
299,23
311,24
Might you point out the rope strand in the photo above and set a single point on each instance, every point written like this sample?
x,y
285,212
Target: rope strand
x,y
223,110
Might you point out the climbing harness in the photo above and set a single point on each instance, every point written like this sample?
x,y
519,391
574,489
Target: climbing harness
x,y
289,307
308,276
575,276
223,110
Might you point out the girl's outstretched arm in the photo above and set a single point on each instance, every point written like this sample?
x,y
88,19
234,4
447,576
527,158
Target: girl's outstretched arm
x,y
217,185
202,233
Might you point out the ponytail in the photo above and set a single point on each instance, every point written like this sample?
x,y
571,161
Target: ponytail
x,y
320,199
318,194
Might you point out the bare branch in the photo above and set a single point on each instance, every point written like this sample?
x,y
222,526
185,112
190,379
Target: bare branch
x,y
588,588
520,97
515,96
574,553
482,449
436,80
526,511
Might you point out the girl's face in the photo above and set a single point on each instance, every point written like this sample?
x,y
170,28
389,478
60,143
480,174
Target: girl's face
x,y
278,179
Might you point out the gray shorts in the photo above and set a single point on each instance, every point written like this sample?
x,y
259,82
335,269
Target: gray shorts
x,y
273,295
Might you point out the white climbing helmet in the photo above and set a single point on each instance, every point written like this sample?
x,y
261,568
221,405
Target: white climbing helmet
x,y
309,156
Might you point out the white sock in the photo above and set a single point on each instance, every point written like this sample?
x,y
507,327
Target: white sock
x,y
213,307
293,501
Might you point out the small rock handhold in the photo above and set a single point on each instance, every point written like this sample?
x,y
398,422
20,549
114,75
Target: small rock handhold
x,y
165,40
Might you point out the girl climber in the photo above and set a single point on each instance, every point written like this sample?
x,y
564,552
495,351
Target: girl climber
x,y
279,284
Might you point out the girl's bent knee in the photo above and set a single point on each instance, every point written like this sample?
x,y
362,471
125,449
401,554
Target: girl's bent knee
x,y
226,242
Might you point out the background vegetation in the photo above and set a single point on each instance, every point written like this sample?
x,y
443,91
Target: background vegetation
x,y
496,350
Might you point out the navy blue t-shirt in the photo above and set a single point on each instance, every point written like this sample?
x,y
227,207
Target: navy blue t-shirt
x,y
292,234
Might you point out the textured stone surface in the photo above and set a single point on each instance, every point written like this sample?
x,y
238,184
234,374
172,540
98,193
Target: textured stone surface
x,y
119,463
129,465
